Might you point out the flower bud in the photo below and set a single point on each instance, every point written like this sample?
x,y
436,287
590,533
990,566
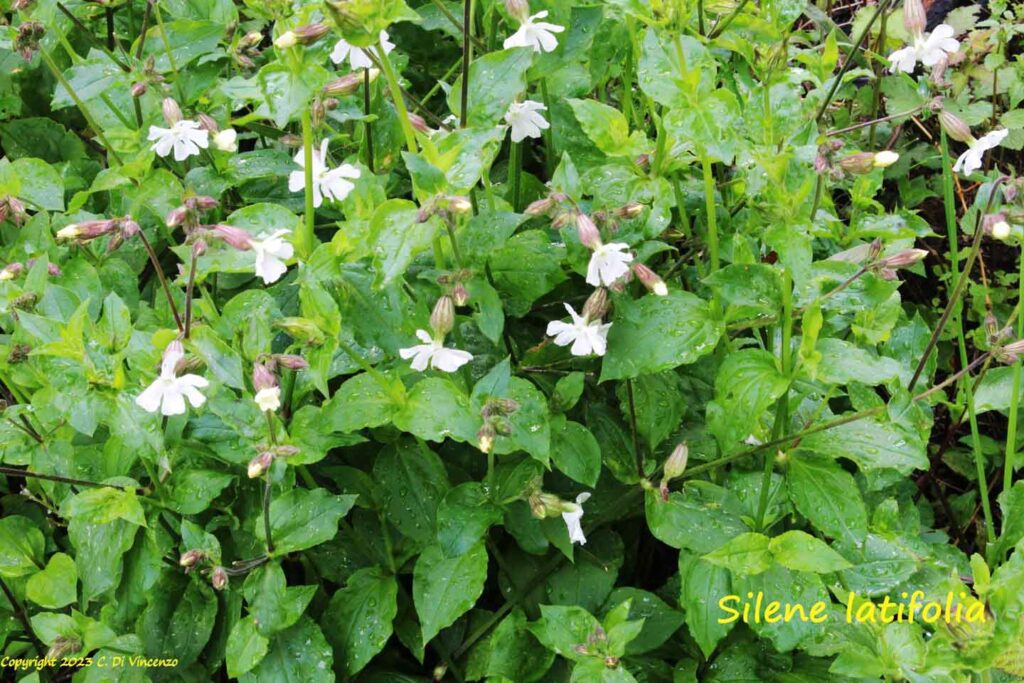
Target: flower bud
x,y
596,305
418,122
859,163
650,279
291,361
485,438
63,646
260,464
310,33
171,110
460,295
191,558
587,231
955,127
885,158
518,9
875,249
219,578
207,123
914,17
562,219
86,230
53,269
630,210
995,225
905,258
269,399
537,507
286,40
262,377
176,217
198,247
442,319
226,140
139,88
11,271
236,237
346,85
285,451
1011,352
540,207
459,205
676,463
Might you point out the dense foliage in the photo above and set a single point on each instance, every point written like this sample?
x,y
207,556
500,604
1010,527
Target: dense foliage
x,y
340,344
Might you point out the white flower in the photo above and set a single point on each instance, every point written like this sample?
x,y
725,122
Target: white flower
x,y
525,120
168,392
925,49
271,253
269,399
433,351
572,519
185,137
885,158
586,336
970,161
1000,231
608,263
331,183
536,34
226,140
357,56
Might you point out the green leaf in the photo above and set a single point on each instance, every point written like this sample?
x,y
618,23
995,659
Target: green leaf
x,y
513,653
21,546
245,648
659,620
274,604
99,549
995,391
437,409
747,383
223,362
562,627
497,78
568,390
747,290
657,333
1011,504
398,237
286,91
363,401
608,128
103,505
659,404
190,491
359,616
842,362
575,451
179,618
55,586
187,40
745,554
413,481
298,655
802,552
302,518
702,585
525,268
871,443
828,496
463,518
40,184
691,519
444,589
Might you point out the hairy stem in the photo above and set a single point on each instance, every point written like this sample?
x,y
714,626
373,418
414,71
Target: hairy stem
x,y
306,236
163,279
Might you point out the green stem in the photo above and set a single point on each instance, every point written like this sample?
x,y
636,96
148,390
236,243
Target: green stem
x,y
306,237
163,278
515,161
549,132
396,96
1009,464
782,405
710,208
78,103
167,48
467,50
632,423
368,126
848,62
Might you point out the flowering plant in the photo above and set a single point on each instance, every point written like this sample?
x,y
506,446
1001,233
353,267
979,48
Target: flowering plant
x,y
500,340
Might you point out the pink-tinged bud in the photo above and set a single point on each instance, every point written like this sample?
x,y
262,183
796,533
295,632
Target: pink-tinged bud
x,y
995,225
171,110
442,319
11,271
485,438
86,230
198,247
518,9
62,647
260,464
262,377
202,202
540,207
459,205
21,5
562,220
250,39
176,217
460,295
1011,352
191,558
903,259
938,73
676,463
236,237
310,33
642,161
219,578
291,361
914,17
206,122
346,85
596,305
587,231
285,451
955,127
16,210
53,269
630,210
139,88
419,123
537,508
290,140
874,249
650,279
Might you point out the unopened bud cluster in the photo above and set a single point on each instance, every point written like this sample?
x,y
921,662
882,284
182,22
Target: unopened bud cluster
x,y
262,462
674,468
495,416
